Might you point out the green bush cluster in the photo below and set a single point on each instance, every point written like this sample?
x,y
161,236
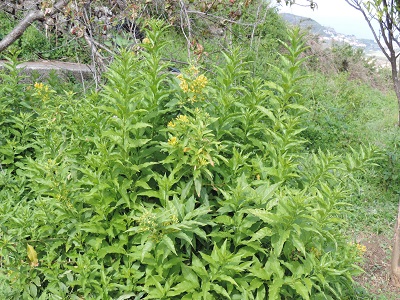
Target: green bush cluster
x,y
335,104
163,187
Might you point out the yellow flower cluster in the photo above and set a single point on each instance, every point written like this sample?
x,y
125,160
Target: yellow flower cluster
x,y
173,140
361,248
183,119
173,220
38,85
195,86
183,83
180,118
42,90
199,84
147,222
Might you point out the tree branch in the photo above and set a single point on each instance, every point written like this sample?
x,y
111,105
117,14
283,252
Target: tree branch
x,y
357,5
31,17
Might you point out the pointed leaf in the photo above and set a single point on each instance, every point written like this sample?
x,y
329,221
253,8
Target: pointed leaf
x,y
32,255
170,244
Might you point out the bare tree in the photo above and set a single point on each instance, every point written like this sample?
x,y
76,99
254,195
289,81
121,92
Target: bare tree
x,y
382,17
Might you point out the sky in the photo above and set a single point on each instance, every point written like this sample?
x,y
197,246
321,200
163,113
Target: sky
x,y
336,14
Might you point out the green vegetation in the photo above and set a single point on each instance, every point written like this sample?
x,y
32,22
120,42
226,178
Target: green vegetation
x,y
34,44
242,178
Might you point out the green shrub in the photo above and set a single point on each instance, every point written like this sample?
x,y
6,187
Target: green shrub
x,y
157,187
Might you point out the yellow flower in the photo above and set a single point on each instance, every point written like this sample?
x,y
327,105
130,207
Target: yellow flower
x,y
361,248
171,124
146,41
173,140
193,99
194,70
183,83
202,161
38,85
174,219
183,118
43,91
199,84
201,80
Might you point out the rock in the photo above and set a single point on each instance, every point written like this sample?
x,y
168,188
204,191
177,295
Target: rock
x,y
81,72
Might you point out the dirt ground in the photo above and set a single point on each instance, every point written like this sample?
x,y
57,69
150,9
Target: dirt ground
x,y
376,264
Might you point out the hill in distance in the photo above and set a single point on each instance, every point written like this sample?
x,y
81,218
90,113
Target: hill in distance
x,y
329,35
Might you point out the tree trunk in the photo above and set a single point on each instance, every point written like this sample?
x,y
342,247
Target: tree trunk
x,y
395,263
396,83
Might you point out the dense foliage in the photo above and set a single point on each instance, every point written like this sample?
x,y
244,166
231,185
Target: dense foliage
x,y
196,186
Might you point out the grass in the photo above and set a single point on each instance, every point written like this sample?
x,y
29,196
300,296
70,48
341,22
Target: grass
x,y
348,113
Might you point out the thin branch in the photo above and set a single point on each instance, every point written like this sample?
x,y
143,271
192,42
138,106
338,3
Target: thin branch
x,y
357,5
184,15
255,25
218,17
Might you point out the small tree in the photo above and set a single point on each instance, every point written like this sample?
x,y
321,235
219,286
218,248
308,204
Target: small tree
x,y
385,14
382,17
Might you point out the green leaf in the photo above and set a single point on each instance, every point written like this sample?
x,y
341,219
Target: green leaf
x,y
262,233
188,274
264,215
220,290
147,248
198,267
267,112
278,240
224,219
297,242
266,192
273,266
170,244
197,186
33,290
275,288
126,296
139,125
227,278
110,249
301,289
93,228
182,287
184,236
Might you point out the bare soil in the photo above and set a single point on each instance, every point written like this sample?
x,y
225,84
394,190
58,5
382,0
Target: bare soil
x,y
376,278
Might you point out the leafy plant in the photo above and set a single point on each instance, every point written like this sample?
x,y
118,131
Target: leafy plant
x,y
188,187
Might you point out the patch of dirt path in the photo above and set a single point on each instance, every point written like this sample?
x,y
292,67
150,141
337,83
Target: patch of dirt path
x,y
376,278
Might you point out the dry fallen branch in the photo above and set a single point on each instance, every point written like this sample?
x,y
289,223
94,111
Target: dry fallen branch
x,y
31,17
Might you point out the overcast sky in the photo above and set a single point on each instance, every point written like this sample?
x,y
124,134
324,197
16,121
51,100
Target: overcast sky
x,y
334,13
